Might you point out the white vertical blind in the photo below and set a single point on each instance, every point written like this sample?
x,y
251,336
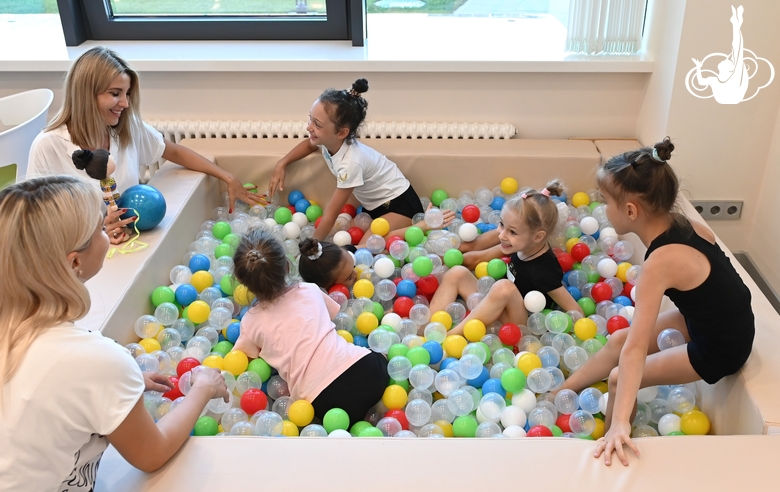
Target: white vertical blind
x,y
605,26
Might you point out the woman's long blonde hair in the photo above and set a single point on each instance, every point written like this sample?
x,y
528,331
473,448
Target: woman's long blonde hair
x,y
88,77
42,220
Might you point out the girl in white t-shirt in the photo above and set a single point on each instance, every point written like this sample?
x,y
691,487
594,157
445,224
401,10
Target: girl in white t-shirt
x,y
101,110
290,327
66,392
376,181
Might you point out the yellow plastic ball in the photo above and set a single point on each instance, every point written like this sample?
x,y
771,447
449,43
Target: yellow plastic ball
x,y
380,226
509,186
579,199
481,270
346,335
215,361
621,271
598,431
694,423
442,317
446,427
394,397
363,288
585,328
289,429
235,362
527,362
366,323
242,295
150,345
454,345
198,312
220,428
300,413
474,330
201,280
570,243
601,386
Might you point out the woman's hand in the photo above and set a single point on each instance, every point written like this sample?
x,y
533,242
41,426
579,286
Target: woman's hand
x,y
236,191
117,228
618,435
154,381
211,379
277,179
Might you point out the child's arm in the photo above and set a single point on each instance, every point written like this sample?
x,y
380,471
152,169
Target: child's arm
x,y
473,258
297,153
563,299
485,240
332,211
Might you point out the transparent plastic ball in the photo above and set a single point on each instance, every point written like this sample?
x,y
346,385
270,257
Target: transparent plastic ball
x,y
504,355
389,426
539,380
148,363
582,423
180,274
434,218
488,429
420,314
363,220
198,347
681,399
363,257
447,381
435,332
557,322
557,377
169,338
589,400
575,357
147,326
385,290
483,196
460,402
566,401
399,250
232,417
623,250
457,312
658,408
375,243
219,405
642,416
248,380
492,405
421,376
276,387
166,313
484,284
470,366
176,354
549,356
430,431
281,405
541,416
648,394
669,338
269,424
381,340
398,368
440,411
406,327
644,431
314,430
562,342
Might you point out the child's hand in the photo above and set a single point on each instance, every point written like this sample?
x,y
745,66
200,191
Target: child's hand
x,y
449,216
618,434
211,379
277,180
236,191
154,381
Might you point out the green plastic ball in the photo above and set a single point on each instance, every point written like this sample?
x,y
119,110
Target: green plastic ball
x,y
371,432
496,268
488,352
588,306
228,284
163,294
220,229
593,277
557,432
282,215
513,380
593,205
418,355
453,258
261,368
223,347
438,196
676,433
465,426
358,427
334,419
250,187
404,383
422,266
379,311
602,339
414,236
397,349
223,249
313,213
232,240
206,426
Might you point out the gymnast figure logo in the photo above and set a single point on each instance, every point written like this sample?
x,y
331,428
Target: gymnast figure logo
x,y
735,71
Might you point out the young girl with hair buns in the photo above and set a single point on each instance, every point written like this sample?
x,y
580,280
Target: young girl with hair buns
x,y
66,392
290,327
526,223
682,261
375,180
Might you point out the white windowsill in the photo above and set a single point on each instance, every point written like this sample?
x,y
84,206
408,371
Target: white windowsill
x,y
396,43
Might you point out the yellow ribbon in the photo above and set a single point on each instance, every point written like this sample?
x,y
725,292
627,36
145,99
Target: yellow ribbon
x,y
133,245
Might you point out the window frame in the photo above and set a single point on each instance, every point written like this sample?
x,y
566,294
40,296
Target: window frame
x,y
84,20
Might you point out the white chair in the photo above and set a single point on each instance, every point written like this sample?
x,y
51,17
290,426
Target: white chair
x,y
22,117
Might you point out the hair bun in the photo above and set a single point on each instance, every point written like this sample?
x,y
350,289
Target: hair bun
x,y
94,163
360,86
664,149
308,247
555,187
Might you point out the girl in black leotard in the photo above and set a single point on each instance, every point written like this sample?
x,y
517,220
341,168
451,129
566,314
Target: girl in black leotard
x,y
684,262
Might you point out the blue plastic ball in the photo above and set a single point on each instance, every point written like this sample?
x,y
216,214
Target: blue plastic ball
x,y
478,381
406,288
360,209
446,362
566,277
434,350
294,196
595,235
625,301
498,203
575,292
233,331
360,341
243,312
493,385
149,203
483,227
186,294
301,205
199,263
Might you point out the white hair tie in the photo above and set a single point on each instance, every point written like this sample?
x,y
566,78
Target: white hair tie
x,y
318,253
656,157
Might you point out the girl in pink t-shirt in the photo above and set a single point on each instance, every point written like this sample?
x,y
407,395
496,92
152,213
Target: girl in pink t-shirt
x,y
290,327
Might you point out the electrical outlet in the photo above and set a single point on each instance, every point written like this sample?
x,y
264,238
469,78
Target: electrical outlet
x,y
718,209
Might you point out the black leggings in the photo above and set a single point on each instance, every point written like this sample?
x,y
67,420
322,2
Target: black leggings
x,y
356,390
407,204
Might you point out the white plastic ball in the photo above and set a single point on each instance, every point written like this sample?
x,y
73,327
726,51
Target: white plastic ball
x,y
514,431
270,222
392,320
342,238
300,219
341,433
468,232
525,400
589,225
384,267
669,423
607,268
646,395
534,301
513,415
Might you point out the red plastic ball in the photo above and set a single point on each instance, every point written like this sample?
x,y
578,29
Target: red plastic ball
x,y
506,259
601,292
557,251
340,288
317,222
356,233
390,240
566,261
510,334
616,323
563,422
292,208
579,251
349,209
186,364
427,285
175,392
470,213
397,280
539,431
253,400
400,416
627,291
402,305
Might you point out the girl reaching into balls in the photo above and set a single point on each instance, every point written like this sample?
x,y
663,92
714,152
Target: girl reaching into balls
x,y
290,327
375,180
66,392
102,111
684,262
526,222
